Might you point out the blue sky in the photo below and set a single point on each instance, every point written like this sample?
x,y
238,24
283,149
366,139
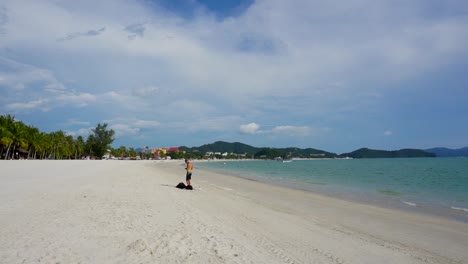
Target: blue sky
x,y
332,75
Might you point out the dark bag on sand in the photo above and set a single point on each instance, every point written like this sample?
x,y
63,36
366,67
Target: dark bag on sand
x,y
189,187
181,185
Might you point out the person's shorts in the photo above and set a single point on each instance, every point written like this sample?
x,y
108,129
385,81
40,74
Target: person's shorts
x,y
188,176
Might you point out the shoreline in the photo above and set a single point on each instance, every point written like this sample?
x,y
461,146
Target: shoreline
x,y
359,217
379,199
131,212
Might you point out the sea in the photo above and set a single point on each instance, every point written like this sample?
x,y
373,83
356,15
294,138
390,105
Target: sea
x,y
436,186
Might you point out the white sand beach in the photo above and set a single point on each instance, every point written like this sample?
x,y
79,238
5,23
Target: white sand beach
x,y
130,212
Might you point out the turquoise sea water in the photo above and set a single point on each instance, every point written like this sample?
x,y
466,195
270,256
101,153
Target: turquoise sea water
x,y
430,185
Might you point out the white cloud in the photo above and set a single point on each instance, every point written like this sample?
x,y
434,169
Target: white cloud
x,y
254,128
146,123
311,58
28,105
206,124
31,85
214,123
122,130
123,103
251,128
187,109
16,74
79,100
228,57
83,132
147,91
74,121
124,127
292,130
388,133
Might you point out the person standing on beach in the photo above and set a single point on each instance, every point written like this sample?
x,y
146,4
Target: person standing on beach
x,y
189,168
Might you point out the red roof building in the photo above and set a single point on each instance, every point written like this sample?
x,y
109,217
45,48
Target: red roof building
x,y
173,149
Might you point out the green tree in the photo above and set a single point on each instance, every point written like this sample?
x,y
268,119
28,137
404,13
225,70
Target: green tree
x,y
100,140
70,147
270,153
121,152
43,146
176,155
18,135
79,147
6,136
132,153
59,145
33,138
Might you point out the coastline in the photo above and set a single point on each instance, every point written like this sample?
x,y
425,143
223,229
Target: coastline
x,y
378,197
129,211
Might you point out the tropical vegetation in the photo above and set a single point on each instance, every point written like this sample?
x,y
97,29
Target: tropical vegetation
x,y
253,152
365,153
19,140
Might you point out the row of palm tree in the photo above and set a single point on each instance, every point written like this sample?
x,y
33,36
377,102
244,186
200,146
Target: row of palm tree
x,y
18,140
21,141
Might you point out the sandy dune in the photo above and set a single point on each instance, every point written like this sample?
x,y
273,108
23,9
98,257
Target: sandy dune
x,y
129,212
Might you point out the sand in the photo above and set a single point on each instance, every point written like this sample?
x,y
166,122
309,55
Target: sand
x,y
130,212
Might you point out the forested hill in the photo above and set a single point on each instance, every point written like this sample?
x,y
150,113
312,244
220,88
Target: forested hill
x,y
270,153
446,152
402,153
240,148
221,146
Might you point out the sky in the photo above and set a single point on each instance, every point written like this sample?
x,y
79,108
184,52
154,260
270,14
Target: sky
x,y
332,75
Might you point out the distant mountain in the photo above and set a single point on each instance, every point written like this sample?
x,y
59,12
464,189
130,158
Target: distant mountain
x,y
446,152
221,146
240,148
270,153
372,153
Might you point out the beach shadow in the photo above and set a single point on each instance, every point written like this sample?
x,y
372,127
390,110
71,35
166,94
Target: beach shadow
x,y
167,185
173,186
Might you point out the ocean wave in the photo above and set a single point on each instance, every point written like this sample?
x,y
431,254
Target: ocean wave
x,y
459,208
408,203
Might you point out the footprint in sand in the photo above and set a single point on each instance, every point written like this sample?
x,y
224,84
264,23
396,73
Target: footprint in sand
x,y
138,245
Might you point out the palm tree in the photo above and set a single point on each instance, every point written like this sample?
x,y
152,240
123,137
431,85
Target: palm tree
x,y
14,133
59,144
33,137
120,152
69,147
45,145
39,145
79,147
6,136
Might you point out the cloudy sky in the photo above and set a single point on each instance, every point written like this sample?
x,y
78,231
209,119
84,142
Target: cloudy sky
x,y
334,75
